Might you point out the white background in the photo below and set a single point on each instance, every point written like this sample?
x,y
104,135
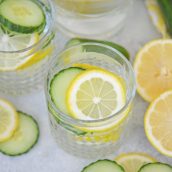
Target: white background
x,y
46,156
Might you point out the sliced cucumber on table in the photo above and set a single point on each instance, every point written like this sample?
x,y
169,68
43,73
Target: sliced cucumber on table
x,y
156,167
77,41
24,138
60,84
22,16
103,166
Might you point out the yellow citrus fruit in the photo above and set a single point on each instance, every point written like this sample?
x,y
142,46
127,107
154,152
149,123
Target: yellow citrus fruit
x,y
8,120
153,68
158,123
87,6
85,66
132,162
96,94
35,58
20,60
157,17
12,44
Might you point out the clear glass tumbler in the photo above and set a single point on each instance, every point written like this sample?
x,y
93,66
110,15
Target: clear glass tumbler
x,y
79,137
26,57
91,18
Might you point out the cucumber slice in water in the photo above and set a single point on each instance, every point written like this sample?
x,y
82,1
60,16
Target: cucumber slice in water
x,y
23,139
77,41
74,130
22,16
58,90
103,166
156,167
59,86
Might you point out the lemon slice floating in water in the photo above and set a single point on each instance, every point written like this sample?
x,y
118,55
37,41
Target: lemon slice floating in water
x,y
97,94
11,47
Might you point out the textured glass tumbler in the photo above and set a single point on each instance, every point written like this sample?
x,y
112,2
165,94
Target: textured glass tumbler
x,y
27,78
78,136
91,18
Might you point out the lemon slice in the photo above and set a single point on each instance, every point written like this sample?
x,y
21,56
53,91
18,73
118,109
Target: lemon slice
x,y
157,17
95,94
87,6
8,120
158,120
85,66
12,44
132,162
153,69
35,58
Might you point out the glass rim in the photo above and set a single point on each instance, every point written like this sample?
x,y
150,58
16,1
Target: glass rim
x,y
73,121
43,38
92,14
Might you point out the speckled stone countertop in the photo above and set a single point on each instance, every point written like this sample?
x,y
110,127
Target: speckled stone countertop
x,y
46,156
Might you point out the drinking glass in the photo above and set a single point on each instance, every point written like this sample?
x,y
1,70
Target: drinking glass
x,y
29,75
77,136
91,18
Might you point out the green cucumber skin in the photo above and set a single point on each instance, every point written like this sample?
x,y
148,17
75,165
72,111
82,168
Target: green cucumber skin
x,y
107,160
54,78
166,8
158,163
23,29
66,126
63,124
76,41
55,115
36,141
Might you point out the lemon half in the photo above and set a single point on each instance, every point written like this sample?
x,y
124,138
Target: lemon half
x,y
153,69
157,122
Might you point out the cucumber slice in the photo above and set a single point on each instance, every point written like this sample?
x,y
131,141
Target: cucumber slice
x,y
22,16
103,166
24,138
59,86
76,41
156,167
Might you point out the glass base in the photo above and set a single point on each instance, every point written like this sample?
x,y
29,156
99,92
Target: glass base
x,y
88,151
83,146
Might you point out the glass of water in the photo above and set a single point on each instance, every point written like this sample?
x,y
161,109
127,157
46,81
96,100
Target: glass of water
x,y
26,46
91,18
95,136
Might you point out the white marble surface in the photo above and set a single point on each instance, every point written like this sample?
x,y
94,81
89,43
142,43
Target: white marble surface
x,y
46,156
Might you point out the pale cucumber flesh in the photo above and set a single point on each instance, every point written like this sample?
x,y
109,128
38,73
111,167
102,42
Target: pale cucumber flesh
x,y
23,139
103,166
156,167
23,16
